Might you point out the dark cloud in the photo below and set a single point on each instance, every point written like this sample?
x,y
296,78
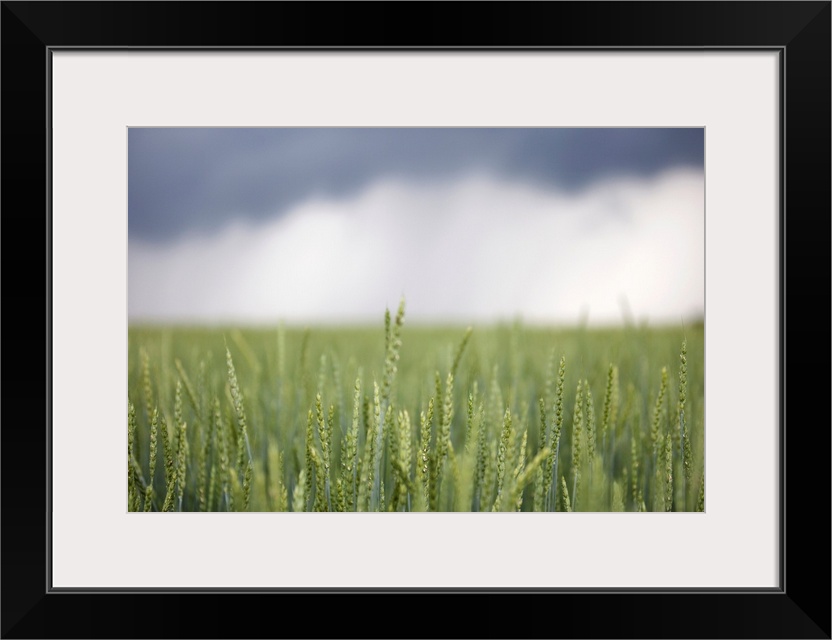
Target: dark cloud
x,y
197,179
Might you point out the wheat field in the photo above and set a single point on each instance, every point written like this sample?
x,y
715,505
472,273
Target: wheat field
x,y
423,418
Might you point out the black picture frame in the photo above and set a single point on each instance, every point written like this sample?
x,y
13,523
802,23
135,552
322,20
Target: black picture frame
x,y
799,31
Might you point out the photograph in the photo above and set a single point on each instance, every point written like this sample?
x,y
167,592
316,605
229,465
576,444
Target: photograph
x,y
416,319
459,264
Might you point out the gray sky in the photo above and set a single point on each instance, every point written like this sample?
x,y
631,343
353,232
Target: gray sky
x,y
329,225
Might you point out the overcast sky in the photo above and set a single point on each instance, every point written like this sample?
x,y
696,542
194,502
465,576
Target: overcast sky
x,y
470,225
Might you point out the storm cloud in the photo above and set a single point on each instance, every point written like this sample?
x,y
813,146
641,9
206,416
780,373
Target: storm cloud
x,y
184,181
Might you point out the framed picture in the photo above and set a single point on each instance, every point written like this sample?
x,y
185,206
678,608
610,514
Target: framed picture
x,y
88,86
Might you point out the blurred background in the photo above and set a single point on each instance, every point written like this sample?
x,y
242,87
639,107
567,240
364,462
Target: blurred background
x,y
331,226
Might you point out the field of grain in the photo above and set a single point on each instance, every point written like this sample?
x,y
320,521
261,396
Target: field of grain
x,y
421,418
